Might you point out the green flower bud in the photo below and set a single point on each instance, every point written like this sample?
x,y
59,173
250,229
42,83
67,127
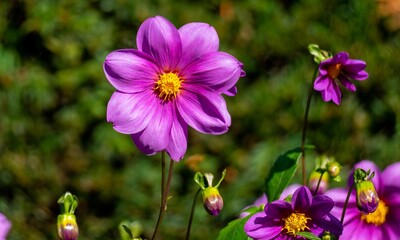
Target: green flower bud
x,y
67,228
367,198
212,201
334,169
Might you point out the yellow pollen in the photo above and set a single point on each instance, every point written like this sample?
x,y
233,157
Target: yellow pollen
x,y
334,70
378,217
168,86
296,222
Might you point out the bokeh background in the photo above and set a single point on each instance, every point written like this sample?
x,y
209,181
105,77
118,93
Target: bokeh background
x,y
53,95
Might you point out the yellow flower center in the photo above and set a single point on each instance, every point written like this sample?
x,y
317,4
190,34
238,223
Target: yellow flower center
x,y
334,70
296,222
168,86
378,217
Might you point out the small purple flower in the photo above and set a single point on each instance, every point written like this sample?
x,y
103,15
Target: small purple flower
x,y
5,226
384,222
173,80
283,220
337,69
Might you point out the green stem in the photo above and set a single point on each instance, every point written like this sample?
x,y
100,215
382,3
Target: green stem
x,y
319,182
346,202
192,214
164,198
303,136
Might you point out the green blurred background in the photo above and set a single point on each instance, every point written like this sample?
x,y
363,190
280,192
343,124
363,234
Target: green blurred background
x,y
53,95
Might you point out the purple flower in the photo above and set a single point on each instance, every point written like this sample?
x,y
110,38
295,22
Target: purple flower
x,y
283,220
5,226
337,69
384,222
173,80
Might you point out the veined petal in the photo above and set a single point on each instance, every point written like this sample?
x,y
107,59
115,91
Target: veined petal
x,y
156,136
197,39
360,76
260,227
204,110
341,57
354,66
278,210
320,207
159,38
179,133
231,92
332,92
301,199
131,113
218,70
331,224
346,83
130,70
321,82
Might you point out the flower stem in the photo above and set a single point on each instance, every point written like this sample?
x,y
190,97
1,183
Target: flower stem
x,y
346,202
164,196
303,136
319,182
192,214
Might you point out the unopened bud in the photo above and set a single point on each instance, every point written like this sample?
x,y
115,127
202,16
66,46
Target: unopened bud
x,y
212,201
67,228
334,169
367,198
315,177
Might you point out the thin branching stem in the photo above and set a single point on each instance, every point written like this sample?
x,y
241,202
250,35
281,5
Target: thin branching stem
x,y
192,214
346,203
303,135
164,196
319,182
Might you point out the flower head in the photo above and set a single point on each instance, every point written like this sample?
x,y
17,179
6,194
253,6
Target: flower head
x,y
383,223
283,220
5,226
173,80
335,70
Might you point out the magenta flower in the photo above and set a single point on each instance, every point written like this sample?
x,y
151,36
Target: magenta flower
x,y
5,226
283,220
384,222
338,69
173,80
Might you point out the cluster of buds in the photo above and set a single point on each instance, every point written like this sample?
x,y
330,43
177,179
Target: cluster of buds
x,y
212,200
326,169
367,198
67,228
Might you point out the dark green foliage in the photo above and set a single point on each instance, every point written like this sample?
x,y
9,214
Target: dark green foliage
x,y
53,96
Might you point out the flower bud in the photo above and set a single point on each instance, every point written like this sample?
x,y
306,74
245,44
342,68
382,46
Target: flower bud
x,y
212,201
334,169
315,177
67,228
367,198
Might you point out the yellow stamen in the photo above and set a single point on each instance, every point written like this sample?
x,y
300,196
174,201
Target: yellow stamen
x,y
334,70
168,86
296,222
378,217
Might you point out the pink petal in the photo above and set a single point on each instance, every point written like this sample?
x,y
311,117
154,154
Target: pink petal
x,y
320,207
159,38
360,76
204,110
346,83
131,113
354,66
260,227
301,199
130,71
231,92
322,82
391,175
218,70
156,136
178,143
197,39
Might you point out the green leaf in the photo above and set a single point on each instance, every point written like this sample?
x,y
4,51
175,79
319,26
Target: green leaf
x,y
254,209
234,230
128,231
308,235
281,174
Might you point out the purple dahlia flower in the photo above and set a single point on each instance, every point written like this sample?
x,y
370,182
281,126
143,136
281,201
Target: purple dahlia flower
x,y
337,69
283,220
384,223
5,226
173,80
